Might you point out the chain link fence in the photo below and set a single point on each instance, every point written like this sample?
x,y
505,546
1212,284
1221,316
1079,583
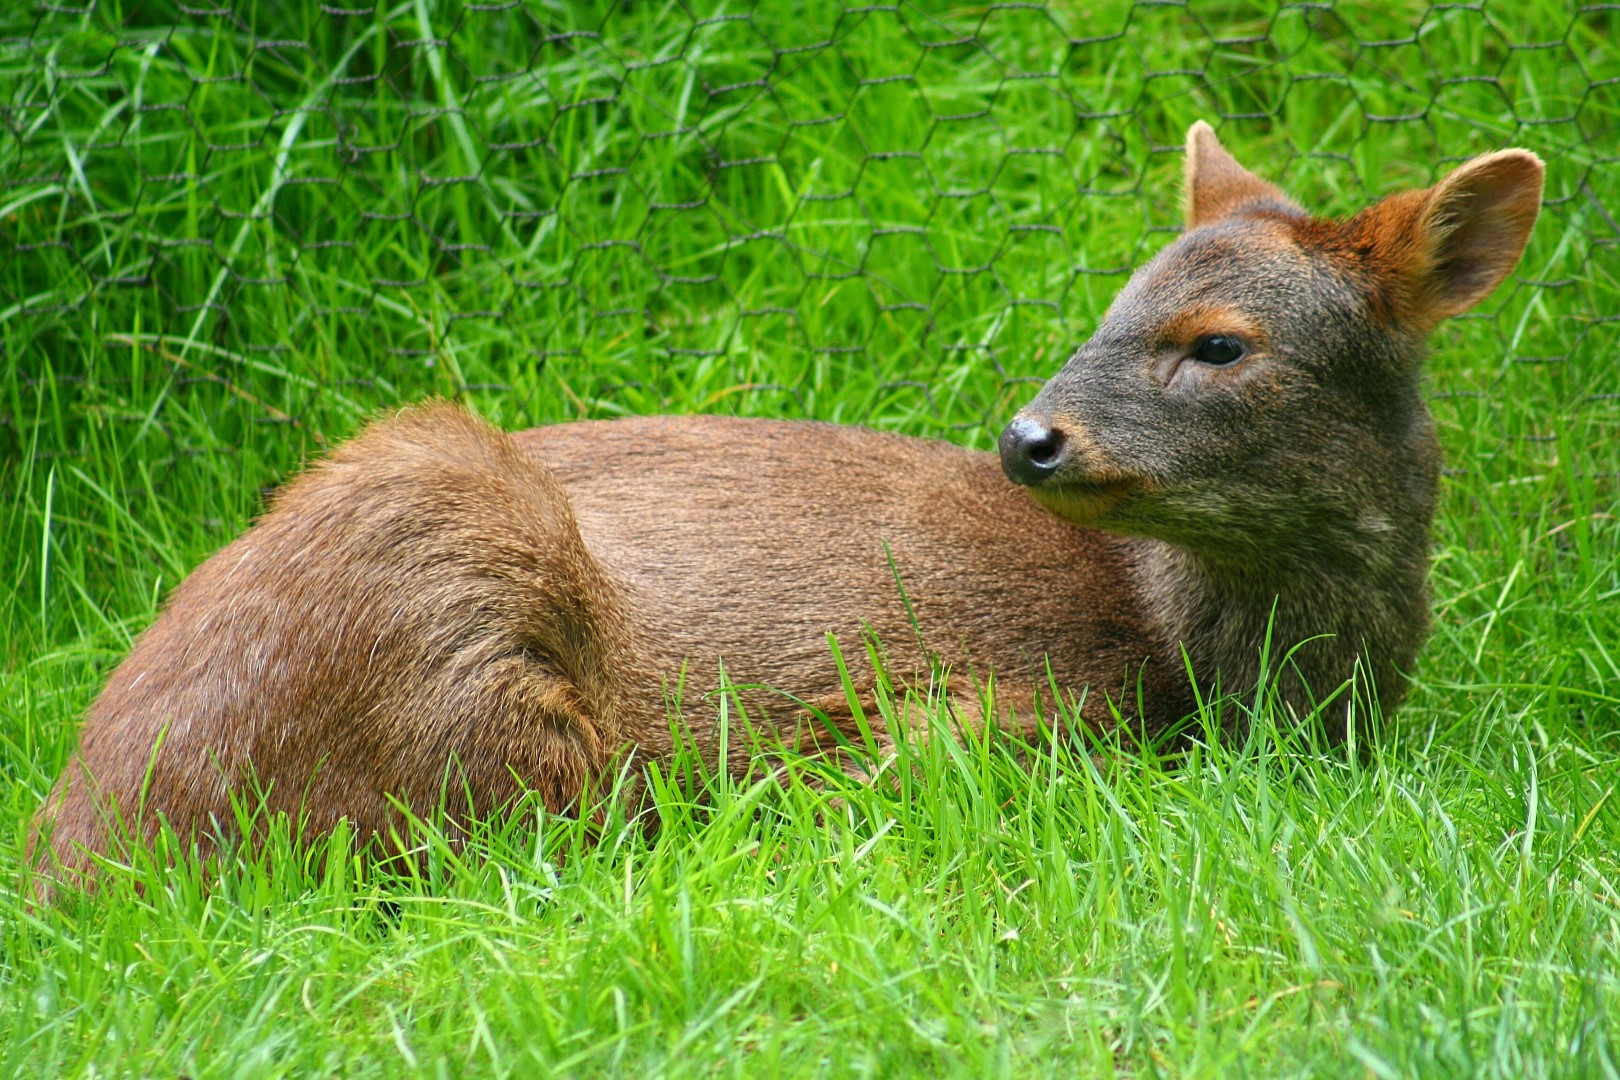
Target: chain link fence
x,y
901,214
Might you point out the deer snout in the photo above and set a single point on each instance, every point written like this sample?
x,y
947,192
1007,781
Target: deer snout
x,y
1030,451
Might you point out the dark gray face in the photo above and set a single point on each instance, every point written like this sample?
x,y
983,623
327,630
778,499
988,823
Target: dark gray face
x,y
1215,405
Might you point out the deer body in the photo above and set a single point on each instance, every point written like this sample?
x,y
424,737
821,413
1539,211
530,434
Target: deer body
x,y
1241,449
656,573
699,540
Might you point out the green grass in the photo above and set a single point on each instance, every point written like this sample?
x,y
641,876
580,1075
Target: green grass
x,y
220,254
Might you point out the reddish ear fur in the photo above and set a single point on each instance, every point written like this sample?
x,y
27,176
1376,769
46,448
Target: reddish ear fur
x,y
1445,248
1476,226
1217,186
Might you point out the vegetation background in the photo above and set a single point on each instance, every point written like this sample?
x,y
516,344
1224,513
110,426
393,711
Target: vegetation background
x,y
228,235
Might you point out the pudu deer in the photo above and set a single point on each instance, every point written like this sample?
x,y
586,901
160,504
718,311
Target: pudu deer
x,y
1242,449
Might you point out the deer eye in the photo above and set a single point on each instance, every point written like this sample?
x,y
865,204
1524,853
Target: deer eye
x,y
1218,350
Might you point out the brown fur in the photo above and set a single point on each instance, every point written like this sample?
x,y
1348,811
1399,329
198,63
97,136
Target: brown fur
x,y
440,606
1215,186
1195,321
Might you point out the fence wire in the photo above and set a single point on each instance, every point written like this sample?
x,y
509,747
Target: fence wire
x,y
579,208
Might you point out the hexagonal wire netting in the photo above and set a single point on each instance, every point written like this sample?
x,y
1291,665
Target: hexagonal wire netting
x,y
577,208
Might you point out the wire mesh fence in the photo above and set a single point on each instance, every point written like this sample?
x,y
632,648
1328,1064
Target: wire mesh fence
x,y
900,214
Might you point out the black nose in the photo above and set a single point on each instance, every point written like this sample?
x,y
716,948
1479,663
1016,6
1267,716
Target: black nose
x,y
1030,451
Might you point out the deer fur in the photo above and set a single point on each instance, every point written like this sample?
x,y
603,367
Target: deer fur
x,y
439,600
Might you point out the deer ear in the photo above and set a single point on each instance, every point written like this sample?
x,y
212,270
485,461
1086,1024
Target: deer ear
x,y
1472,229
1217,185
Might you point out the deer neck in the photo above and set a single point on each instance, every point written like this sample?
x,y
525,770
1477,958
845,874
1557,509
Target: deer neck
x,y
1349,601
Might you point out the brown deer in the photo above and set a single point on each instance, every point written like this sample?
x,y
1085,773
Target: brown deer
x,y
1242,449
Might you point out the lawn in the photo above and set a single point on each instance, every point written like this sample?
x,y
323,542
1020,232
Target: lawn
x,y
227,238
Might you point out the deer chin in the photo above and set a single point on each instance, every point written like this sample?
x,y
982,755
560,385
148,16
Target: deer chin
x,y
1085,502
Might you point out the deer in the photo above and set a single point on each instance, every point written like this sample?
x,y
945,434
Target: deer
x,y
1240,453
